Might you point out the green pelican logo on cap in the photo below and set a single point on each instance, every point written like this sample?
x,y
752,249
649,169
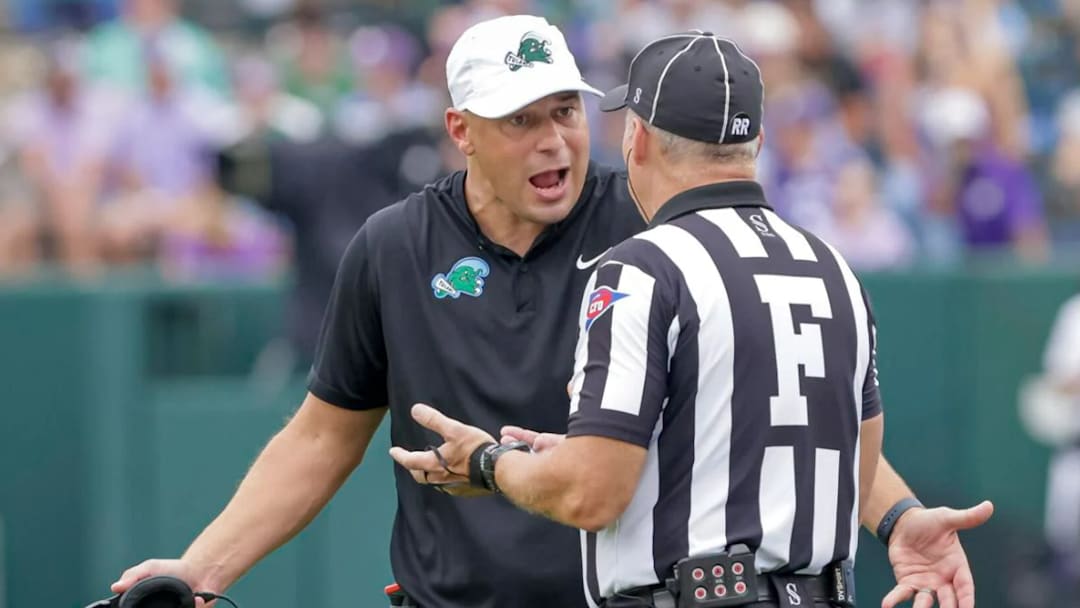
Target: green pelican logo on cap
x,y
533,48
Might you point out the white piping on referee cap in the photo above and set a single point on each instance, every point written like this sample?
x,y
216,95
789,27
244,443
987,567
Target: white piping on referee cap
x,y
761,79
660,83
671,37
642,50
727,89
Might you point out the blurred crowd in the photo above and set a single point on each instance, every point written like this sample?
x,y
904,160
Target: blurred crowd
x,y
904,132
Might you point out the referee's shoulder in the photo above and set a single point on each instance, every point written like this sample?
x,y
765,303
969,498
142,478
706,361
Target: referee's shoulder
x,y
817,242
642,253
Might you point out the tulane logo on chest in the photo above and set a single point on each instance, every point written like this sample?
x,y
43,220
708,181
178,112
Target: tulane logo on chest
x,y
466,277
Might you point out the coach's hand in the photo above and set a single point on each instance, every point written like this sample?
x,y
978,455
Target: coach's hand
x,y
929,561
538,442
460,440
189,572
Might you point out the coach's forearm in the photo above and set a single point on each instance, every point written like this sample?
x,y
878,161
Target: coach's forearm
x,y
293,478
290,482
888,489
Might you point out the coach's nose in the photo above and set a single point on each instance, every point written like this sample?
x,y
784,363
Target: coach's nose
x,y
551,137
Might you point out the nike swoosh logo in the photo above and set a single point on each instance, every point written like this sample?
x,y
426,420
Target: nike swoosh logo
x,y
583,264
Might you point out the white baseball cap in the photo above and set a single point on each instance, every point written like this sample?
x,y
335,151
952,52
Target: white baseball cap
x,y
955,114
502,65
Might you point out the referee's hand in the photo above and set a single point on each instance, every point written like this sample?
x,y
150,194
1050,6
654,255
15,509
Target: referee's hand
x,y
928,560
450,473
538,442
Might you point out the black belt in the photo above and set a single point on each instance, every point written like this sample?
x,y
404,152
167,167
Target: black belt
x,y
658,596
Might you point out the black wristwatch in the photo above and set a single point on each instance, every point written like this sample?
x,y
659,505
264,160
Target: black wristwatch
x,y
482,463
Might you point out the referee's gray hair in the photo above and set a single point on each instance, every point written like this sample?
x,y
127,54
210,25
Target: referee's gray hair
x,y
678,148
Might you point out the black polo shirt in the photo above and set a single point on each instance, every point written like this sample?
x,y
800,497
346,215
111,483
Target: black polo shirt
x,y
426,309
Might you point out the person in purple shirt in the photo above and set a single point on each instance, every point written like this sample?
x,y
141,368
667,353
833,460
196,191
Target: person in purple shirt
x,y
60,133
996,201
162,163
809,148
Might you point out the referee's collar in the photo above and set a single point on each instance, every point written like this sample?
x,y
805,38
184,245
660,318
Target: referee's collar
x,y
741,193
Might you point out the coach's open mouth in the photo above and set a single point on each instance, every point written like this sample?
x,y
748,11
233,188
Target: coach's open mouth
x,y
550,185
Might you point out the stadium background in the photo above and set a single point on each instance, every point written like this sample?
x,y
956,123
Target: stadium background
x,y
143,362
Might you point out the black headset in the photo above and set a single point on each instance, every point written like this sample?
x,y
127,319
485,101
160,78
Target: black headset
x,y
158,592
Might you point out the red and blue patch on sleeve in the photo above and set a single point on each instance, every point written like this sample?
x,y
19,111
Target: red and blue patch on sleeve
x,y
600,301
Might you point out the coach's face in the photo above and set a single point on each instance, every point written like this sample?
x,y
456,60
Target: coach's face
x,y
535,159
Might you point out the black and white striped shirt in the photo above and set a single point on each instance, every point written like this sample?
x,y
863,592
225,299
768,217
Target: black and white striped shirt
x,y
739,350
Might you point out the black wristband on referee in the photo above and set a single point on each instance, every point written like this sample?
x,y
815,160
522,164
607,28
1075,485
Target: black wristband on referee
x,y
885,527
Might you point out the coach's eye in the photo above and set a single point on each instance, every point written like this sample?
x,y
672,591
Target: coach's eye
x,y
565,111
519,120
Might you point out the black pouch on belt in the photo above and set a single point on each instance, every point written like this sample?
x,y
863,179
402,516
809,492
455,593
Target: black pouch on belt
x,y
719,580
841,583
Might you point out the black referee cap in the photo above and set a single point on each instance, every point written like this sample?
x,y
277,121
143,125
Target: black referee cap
x,y
694,85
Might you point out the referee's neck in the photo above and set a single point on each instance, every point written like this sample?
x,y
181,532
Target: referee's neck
x,y
680,178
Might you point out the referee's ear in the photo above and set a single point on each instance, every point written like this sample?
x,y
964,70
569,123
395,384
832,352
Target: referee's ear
x,y
641,141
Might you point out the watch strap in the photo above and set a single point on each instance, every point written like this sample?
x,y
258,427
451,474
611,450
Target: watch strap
x,y
885,527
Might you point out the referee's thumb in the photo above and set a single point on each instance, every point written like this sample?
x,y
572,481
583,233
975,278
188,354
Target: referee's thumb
x,y
973,517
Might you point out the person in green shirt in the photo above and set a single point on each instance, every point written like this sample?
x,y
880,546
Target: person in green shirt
x,y
116,51
312,60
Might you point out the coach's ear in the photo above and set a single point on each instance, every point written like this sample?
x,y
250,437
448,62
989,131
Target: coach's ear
x,y
457,127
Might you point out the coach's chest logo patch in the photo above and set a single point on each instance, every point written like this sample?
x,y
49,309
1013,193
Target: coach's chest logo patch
x,y
600,301
466,277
